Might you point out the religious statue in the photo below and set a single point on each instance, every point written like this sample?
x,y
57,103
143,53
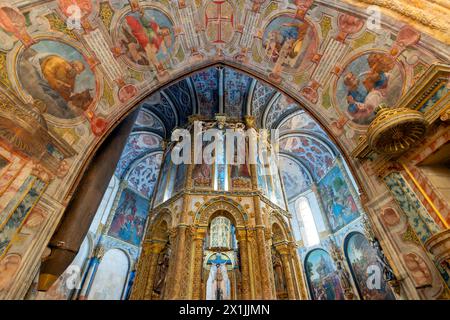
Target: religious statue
x,y
163,265
218,280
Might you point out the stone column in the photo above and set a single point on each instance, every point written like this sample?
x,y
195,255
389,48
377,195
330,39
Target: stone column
x,y
137,291
198,263
263,258
285,258
179,261
245,275
302,294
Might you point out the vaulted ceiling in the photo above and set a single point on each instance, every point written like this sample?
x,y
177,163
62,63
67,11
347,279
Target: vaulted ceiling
x,y
306,152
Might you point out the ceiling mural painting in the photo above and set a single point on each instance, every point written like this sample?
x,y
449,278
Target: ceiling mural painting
x,y
314,152
138,144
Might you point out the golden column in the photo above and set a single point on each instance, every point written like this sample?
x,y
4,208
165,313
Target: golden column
x,y
178,259
302,294
145,270
143,266
285,258
245,275
198,263
262,251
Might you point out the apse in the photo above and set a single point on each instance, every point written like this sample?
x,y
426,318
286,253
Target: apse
x,y
311,182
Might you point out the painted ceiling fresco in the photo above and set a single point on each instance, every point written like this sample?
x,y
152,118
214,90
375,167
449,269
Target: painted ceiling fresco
x,y
296,178
138,144
313,152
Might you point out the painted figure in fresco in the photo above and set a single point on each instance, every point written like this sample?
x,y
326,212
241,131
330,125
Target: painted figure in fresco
x,y
13,21
55,75
145,39
284,42
79,9
202,174
367,91
8,267
361,255
127,225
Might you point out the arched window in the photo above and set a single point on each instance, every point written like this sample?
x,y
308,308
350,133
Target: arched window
x,y
111,277
220,233
305,215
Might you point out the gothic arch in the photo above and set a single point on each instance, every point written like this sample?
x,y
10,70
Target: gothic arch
x,y
159,226
240,67
222,206
277,221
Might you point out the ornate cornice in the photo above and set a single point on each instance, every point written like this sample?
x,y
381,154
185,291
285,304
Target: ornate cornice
x,y
429,16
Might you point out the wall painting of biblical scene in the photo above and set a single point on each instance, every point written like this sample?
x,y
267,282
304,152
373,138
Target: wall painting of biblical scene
x,y
369,80
322,276
129,219
362,258
337,199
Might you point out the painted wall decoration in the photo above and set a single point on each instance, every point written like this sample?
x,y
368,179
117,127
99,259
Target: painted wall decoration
x,y
301,121
137,145
207,88
58,77
295,179
236,84
340,206
262,94
366,82
311,151
289,42
3,163
240,173
17,210
281,106
180,178
361,255
129,218
219,21
144,175
147,37
322,276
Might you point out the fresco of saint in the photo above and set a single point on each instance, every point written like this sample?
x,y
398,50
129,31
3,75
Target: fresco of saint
x,y
368,82
58,76
147,37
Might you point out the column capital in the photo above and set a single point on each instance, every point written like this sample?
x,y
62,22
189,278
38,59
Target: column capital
x,y
282,248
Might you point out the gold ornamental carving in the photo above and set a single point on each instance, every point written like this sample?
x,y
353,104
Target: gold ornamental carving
x,y
395,131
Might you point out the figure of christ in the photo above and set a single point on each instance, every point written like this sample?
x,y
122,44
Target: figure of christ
x,y
218,283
